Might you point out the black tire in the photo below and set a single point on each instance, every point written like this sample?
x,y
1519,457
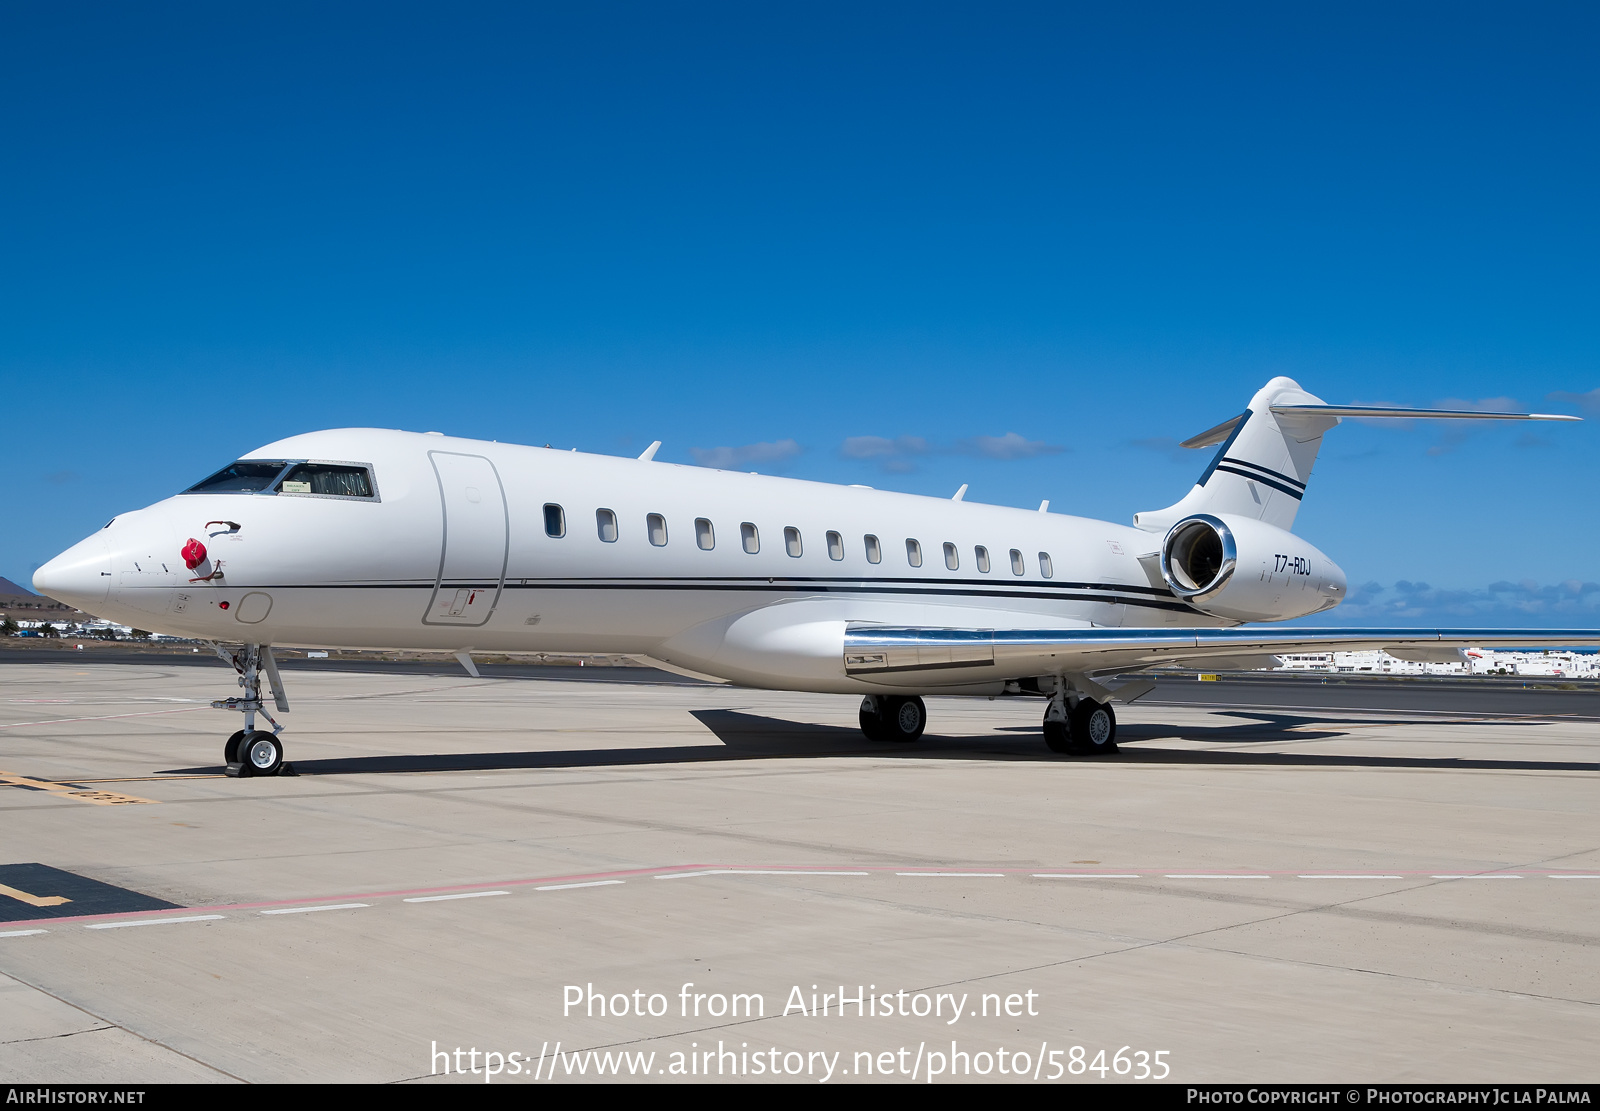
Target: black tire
x,y
871,718
230,751
1094,727
905,718
1058,737
261,753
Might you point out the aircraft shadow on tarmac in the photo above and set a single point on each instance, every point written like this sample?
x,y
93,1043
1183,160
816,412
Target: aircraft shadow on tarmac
x,y
744,736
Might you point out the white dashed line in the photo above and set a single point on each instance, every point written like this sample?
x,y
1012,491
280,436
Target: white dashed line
x,y
1348,876
310,910
463,895
1211,876
754,872
152,922
957,875
1087,876
570,886
22,933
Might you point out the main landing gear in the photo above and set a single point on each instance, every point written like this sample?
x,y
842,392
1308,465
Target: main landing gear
x,y
893,718
252,751
1076,725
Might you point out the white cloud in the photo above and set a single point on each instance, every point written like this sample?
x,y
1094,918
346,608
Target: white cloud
x,y
727,458
1588,402
1009,446
880,447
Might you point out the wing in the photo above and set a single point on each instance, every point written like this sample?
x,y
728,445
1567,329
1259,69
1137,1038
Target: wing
x,y
975,655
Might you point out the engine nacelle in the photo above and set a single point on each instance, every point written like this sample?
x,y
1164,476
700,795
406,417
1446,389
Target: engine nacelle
x,y
1242,569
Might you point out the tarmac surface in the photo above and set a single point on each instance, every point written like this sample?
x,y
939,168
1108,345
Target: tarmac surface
x,y
1272,881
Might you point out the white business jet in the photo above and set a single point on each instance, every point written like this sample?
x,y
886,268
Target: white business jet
x,y
366,538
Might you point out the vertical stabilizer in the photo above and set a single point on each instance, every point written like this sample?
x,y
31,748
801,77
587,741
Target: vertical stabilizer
x,y
1262,466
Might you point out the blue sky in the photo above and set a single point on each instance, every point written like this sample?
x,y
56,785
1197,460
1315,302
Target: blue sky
x,y
1024,247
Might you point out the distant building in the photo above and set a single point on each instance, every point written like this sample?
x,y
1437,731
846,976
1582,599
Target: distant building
x,y
1479,661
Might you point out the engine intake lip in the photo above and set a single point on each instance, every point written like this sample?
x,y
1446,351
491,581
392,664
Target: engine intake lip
x,y
1200,530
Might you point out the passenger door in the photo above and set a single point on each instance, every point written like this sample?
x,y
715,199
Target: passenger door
x,y
475,543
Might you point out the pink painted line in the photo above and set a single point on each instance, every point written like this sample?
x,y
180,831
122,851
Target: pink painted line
x,y
106,717
778,869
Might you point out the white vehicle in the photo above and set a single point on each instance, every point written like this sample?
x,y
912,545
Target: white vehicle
x,y
366,538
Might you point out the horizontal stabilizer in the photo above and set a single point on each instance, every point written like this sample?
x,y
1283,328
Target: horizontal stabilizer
x,y
1393,411
1215,435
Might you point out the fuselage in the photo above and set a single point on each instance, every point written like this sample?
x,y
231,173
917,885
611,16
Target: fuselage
x,y
468,545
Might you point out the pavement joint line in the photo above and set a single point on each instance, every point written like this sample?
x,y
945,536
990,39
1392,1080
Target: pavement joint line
x,y
310,910
457,895
570,886
153,921
104,717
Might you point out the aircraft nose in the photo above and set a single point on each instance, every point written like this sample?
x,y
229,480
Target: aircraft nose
x,y
79,576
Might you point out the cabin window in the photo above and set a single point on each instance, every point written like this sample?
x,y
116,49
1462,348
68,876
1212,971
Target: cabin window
x,y
835,546
327,480
703,534
1016,563
750,538
605,523
1045,568
791,541
874,549
913,552
555,521
983,559
655,526
244,477
952,560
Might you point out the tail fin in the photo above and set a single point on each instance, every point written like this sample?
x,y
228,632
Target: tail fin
x,y
1263,465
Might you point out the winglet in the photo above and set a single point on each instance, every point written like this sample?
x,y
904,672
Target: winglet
x,y
961,493
649,453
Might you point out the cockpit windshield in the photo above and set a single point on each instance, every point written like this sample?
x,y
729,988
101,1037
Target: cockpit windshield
x,y
247,476
291,476
327,479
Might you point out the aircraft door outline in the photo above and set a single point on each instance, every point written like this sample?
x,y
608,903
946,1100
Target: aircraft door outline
x,y
475,540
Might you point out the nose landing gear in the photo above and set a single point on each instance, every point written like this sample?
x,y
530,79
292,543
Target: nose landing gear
x,y
252,751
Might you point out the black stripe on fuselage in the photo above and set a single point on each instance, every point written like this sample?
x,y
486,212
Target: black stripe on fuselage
x,y
1065,592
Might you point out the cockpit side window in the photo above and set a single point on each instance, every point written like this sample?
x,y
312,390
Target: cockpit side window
x,y
338,480
247,476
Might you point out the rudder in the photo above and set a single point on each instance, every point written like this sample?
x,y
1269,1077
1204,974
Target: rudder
x,y
1262,466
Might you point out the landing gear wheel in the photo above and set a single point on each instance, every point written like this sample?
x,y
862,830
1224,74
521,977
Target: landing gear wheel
x,y
1094,727
871,718
906,718
1058,737
230,751
261,754
886,718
